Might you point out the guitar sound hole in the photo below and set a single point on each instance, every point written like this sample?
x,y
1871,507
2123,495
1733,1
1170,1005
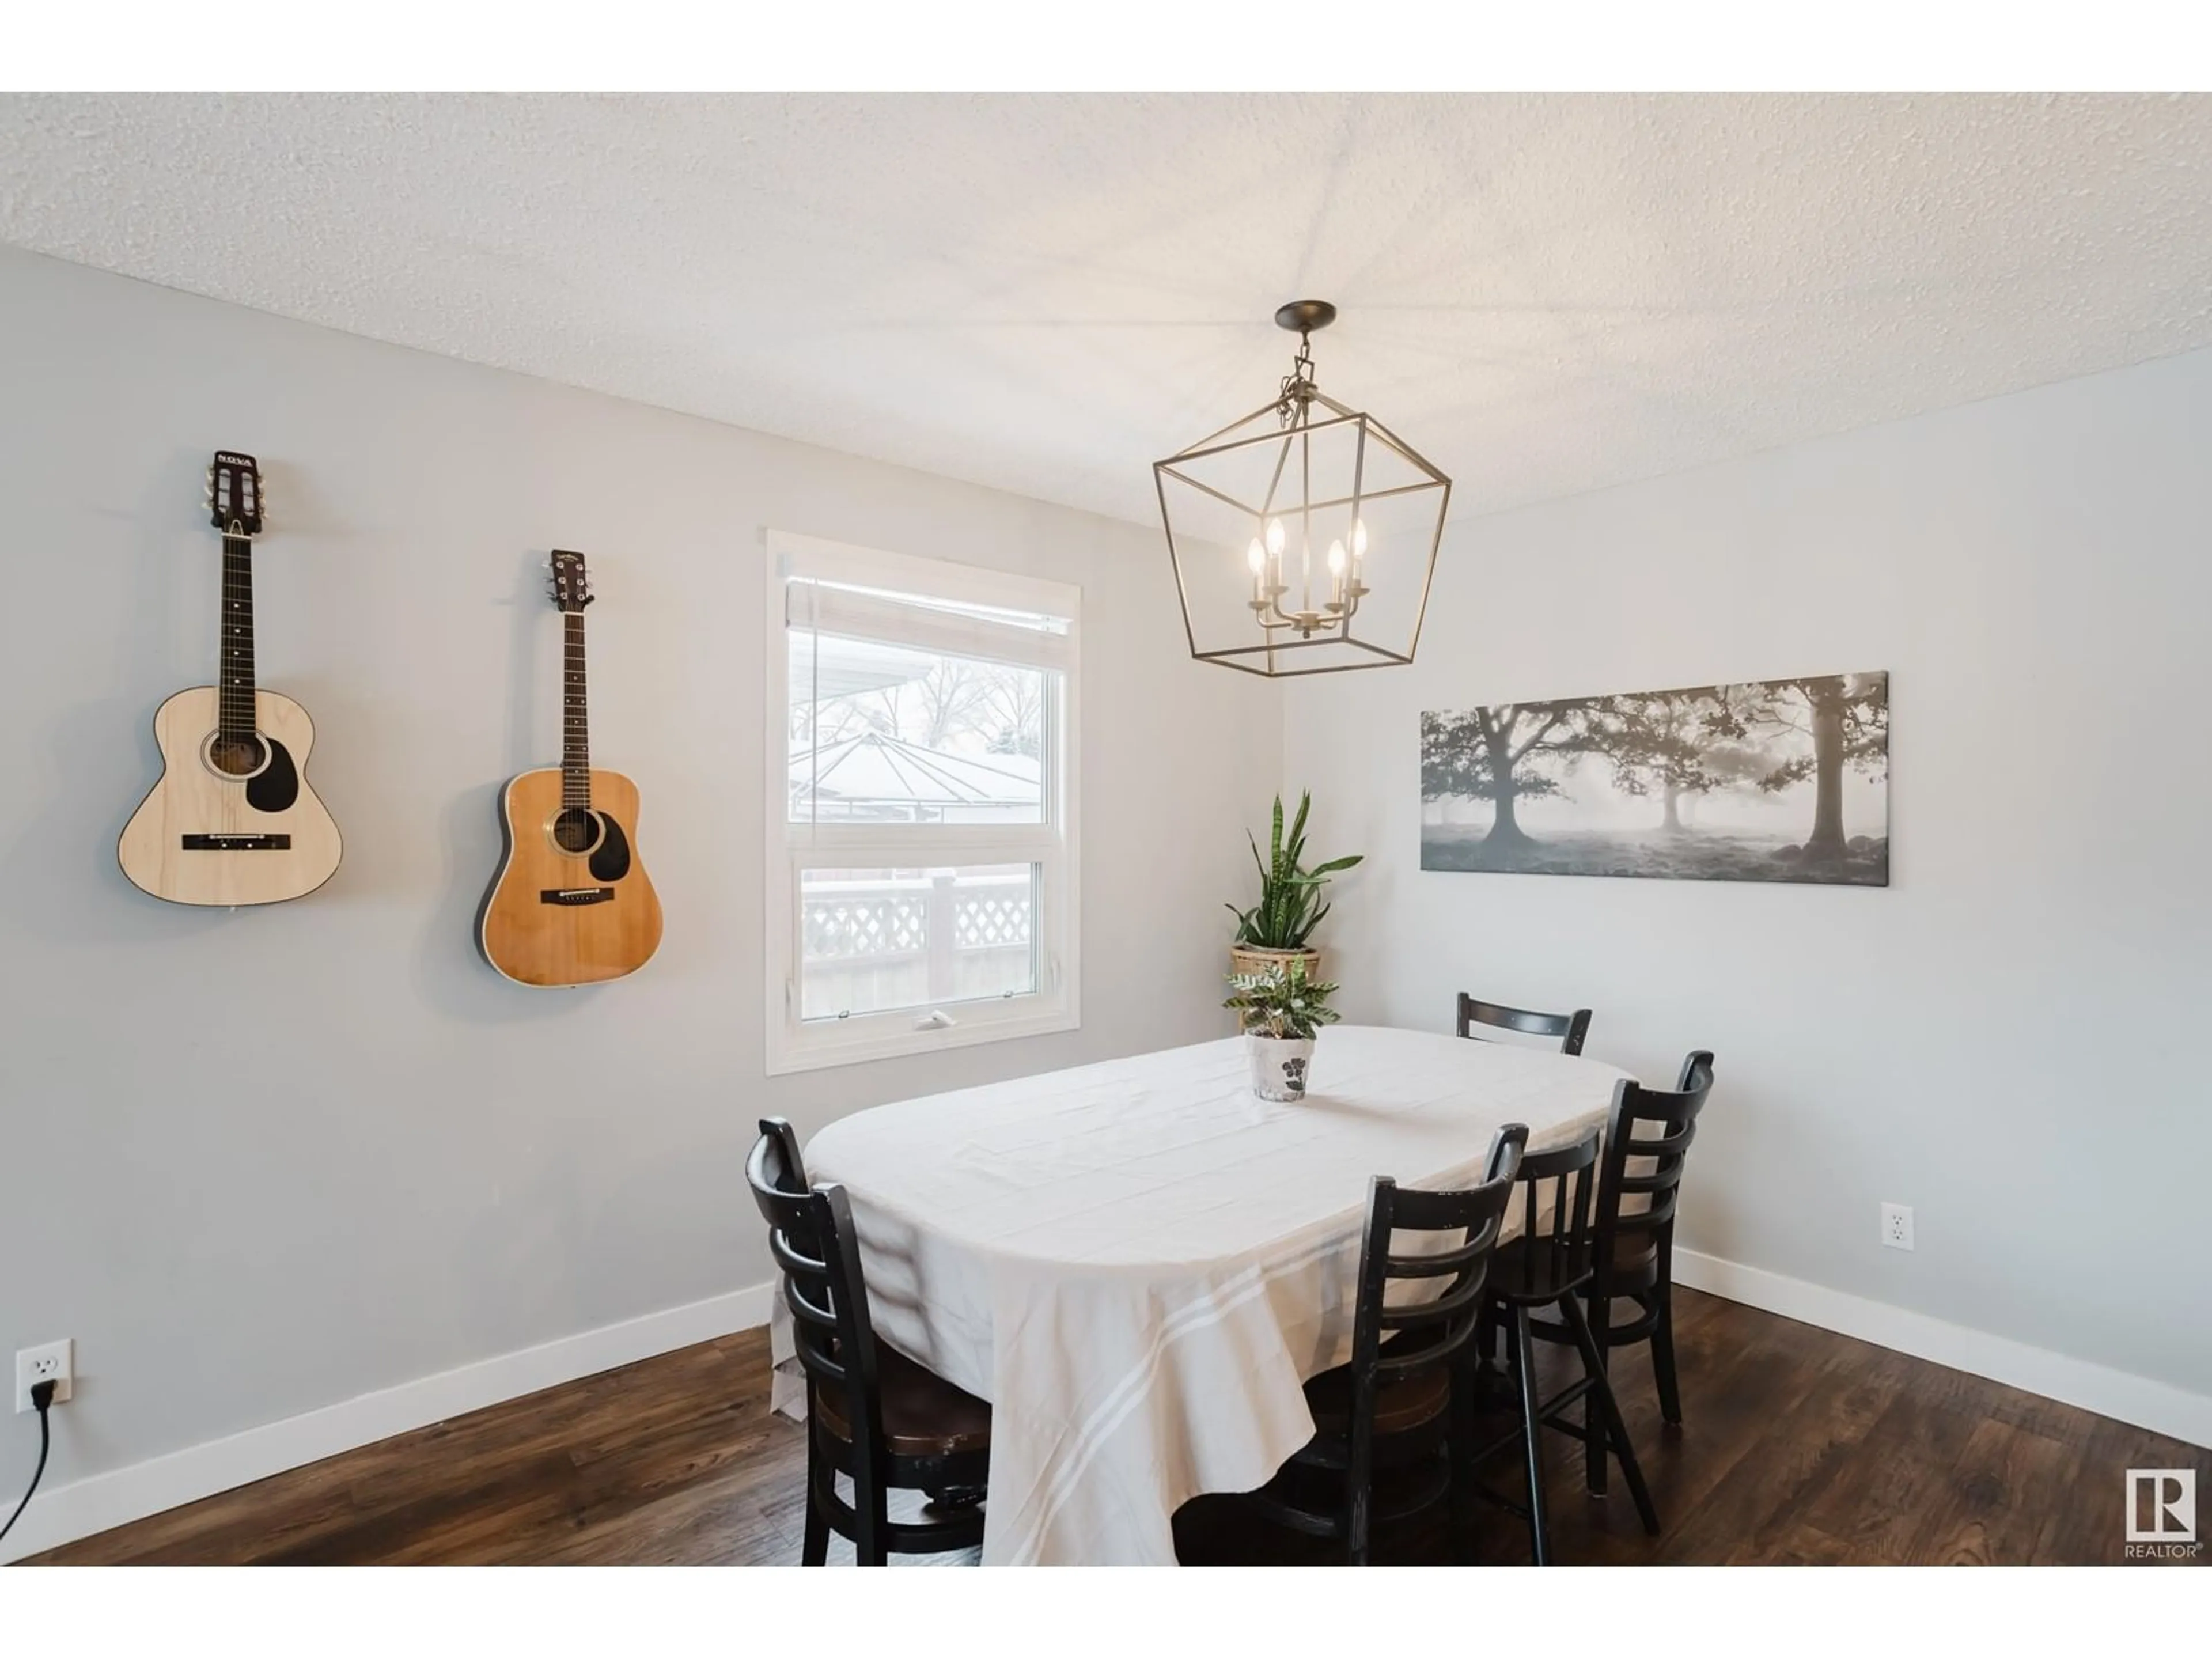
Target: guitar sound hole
x,y
576,831
237,758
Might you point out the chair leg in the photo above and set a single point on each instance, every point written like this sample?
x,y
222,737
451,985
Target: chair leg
x,y
1663,1356
1458,1447
1524,1377
815,1551
1593,1429
1358,1492
868,1516
1600,1397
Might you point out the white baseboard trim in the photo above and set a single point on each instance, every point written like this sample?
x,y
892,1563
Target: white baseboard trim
x,y
2141,1401
100,1501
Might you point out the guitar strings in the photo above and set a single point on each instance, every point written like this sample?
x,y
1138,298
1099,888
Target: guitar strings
x,y
237,713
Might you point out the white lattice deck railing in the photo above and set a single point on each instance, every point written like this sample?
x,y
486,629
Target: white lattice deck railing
x,y
889,943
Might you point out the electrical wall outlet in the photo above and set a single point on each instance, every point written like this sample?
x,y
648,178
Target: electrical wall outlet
x,y
54,1361
1897,1226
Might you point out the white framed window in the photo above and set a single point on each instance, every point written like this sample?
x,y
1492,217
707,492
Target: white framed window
x,y
921,805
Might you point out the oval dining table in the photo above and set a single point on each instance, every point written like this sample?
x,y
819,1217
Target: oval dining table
x,y
1138,1262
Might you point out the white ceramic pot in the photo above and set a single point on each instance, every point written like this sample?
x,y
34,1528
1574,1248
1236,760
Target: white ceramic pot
x,y
1279,1065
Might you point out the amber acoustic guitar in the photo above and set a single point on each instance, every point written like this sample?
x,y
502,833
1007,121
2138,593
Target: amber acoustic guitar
x,y
571,904
232,820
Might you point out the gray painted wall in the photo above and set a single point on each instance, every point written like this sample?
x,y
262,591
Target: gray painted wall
x,y
270,1161
2007,1037
267,1161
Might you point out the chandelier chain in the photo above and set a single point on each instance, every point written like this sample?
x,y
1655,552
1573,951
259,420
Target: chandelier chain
x,y
1297,393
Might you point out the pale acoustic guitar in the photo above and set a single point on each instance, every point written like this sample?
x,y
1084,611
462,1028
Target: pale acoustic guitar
x,y
231,820
571,904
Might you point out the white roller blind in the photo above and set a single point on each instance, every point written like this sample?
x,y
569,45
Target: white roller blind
x,y
1033,640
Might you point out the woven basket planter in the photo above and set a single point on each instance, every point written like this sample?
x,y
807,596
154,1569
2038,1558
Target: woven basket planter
x,y
1251,959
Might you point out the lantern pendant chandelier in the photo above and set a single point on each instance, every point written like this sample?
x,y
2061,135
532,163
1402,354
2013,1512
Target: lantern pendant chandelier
x,y
1293,523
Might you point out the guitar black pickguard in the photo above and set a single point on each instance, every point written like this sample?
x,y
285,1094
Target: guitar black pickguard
x,y
611,858
276,785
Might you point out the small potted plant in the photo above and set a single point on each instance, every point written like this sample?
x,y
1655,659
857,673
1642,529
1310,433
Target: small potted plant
x,y
1281,1009
1276,929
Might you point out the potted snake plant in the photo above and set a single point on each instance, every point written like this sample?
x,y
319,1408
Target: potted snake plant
x,y
1282,1010
1279,927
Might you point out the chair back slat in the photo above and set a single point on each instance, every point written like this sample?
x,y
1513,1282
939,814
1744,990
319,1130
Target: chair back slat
x,y
812,1243
1649,1219
1667,1145
1404,1361
1443,1263
805,1265
1570,1029
1652,1128
1441,1326
1414,1316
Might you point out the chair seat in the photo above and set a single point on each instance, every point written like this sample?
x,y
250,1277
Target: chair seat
x,y
1544,1275
1635,1262
1408,1403
924,1416
1534,1278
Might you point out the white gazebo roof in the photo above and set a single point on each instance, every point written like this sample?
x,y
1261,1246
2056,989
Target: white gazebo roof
x,y
873,770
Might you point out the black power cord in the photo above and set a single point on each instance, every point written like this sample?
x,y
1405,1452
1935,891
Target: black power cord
x,y
42,1396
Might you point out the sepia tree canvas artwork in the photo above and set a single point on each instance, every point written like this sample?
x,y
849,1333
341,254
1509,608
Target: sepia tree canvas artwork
x,y
1770,781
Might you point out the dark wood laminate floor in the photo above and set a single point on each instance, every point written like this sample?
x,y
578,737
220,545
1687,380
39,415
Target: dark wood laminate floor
x,y
1801,1446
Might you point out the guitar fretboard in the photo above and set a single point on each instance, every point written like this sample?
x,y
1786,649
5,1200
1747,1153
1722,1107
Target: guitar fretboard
x,y
575,743
235,687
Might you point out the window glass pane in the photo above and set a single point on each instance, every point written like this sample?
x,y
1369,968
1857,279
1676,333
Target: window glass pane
x,y
889,734
875,940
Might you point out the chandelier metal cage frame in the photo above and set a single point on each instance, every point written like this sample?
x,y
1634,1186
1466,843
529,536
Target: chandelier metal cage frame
x,y
1303,411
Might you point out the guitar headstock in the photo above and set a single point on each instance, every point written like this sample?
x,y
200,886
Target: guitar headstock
x,y
571,586
234,492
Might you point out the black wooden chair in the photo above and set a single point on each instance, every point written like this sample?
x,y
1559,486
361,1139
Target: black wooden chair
x,y
1633,1253
1389,1410
1552,1264
872,1414
1570,1028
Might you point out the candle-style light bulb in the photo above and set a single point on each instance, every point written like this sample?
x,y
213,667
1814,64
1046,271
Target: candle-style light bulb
x,y
1256,556
1275,536
1359,538
1336,558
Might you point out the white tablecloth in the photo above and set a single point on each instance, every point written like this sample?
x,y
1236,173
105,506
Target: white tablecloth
x,y
1139,1263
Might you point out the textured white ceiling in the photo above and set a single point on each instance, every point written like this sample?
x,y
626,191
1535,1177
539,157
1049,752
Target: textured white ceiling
x,y
1546,293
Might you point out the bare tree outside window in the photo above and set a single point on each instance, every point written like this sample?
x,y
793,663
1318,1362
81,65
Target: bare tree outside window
x,y
886,733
